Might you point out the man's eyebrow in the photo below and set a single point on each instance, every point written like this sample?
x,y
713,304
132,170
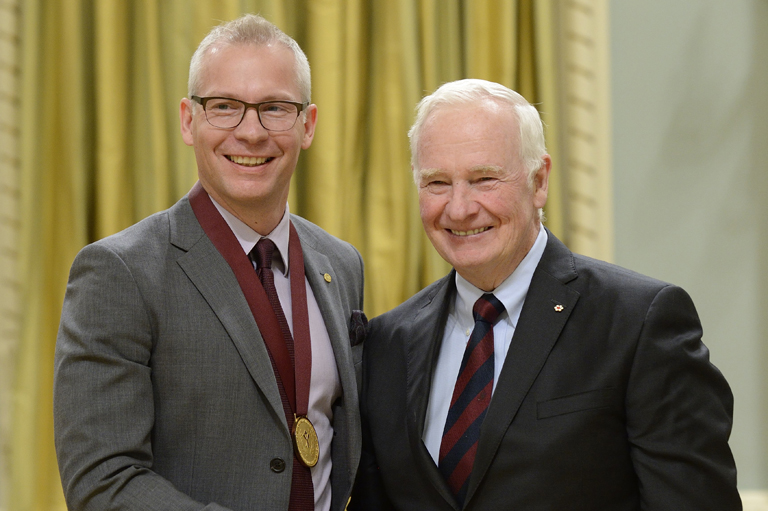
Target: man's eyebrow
x,y
428,173
487,169
269,97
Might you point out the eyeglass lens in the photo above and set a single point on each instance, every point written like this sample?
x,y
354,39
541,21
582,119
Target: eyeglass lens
x,y
228,113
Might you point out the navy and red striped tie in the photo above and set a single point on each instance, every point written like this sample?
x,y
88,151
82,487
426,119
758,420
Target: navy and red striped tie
x,y
470,400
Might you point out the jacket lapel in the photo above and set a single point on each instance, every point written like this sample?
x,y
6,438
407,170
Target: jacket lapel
x,y
214,279
420,351
547,307
316,266
328,298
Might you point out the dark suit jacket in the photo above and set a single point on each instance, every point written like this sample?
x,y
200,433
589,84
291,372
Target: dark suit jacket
x,y
164,393
609,404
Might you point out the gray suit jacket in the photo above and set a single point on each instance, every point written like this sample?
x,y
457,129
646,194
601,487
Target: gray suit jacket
x,y
606,401
164,394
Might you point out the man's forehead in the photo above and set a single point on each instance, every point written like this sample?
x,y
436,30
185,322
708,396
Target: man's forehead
x,y
228,57
468,123
463,108
233,53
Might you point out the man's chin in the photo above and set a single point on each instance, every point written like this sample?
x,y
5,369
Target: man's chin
x,y
464,267
468,258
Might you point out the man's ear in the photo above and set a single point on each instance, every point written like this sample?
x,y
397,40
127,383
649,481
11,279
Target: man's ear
x,y
310,121
185,119
541,182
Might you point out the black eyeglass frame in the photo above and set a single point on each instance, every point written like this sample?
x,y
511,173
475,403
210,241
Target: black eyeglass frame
x,y
299,108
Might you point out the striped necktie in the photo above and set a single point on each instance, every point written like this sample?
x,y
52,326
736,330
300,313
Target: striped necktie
x,y
470,400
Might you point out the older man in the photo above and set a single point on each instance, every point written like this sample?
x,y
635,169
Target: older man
x,y
531,378
204,359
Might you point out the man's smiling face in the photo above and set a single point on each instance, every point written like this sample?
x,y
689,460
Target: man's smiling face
x,y
248,169
477,206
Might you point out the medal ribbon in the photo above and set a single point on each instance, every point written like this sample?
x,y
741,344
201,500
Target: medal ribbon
x,y
302,343
295,383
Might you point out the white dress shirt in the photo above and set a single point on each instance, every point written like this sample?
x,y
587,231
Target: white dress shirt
x,y
325,386
458,328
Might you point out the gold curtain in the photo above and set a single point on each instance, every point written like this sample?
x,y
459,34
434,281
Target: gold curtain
x,y
100,145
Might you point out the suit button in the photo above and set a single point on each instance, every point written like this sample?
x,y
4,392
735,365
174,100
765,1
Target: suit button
x,y
277,465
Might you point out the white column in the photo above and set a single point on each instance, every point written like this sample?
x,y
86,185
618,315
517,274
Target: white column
x,y
586,128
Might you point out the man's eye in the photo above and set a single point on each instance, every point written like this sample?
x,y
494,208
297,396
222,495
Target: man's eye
x,y
486,181
276,108
436,185
222,106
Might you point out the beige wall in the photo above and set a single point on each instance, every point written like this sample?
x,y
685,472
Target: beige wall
x,y
690,145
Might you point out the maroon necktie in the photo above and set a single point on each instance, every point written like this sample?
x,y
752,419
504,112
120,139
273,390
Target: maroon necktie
x,y
262,256
302,491
470,400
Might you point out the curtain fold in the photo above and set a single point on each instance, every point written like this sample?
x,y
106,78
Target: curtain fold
x,y
101,84
54,175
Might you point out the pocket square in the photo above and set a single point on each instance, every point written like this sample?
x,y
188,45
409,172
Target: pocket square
x,y
358,327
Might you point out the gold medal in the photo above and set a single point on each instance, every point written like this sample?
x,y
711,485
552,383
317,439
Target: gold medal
x,y
305,441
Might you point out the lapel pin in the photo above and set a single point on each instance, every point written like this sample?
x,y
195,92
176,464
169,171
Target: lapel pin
x,y
559,308
327,277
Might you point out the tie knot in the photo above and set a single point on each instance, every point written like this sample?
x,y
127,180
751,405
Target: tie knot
x,y
487,308
262,253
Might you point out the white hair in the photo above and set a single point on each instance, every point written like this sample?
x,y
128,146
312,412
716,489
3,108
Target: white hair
x,y
532,147
249,29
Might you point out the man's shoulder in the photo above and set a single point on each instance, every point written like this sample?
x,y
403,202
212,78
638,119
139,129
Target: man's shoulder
x,y
603,273
608,287
585,272
151,235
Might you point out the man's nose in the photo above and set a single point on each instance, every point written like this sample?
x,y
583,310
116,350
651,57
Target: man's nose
x,y
250,128
461,204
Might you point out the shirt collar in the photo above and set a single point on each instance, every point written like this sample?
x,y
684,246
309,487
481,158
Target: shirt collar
x,y
248,237
511,292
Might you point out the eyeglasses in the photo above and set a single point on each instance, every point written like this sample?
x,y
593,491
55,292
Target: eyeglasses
x,y
228,113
